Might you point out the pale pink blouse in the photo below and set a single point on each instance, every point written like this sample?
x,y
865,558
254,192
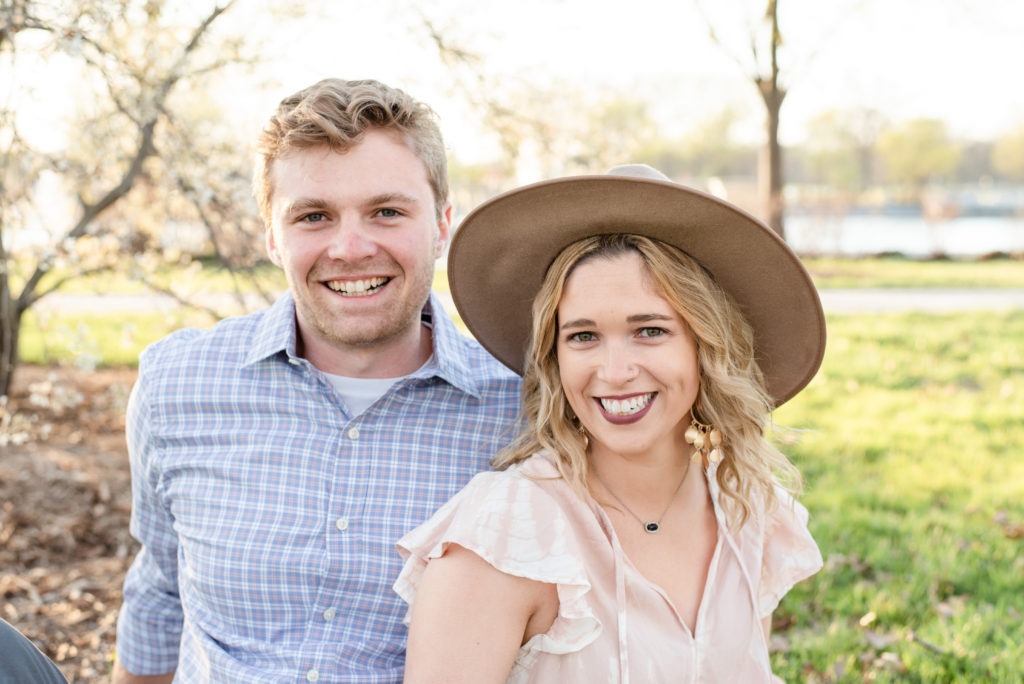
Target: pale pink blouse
x,y
614,625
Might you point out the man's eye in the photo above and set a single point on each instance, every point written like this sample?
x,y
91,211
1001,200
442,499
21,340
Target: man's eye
x,y
388,213
315,217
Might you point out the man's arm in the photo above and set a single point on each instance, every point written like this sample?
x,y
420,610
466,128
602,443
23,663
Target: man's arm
x,y
123,676
147,623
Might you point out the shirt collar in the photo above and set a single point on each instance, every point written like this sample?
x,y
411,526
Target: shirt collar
x,y
450,361
276,332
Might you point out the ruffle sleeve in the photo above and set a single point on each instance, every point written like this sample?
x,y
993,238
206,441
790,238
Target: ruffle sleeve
x,y
517,525
790,553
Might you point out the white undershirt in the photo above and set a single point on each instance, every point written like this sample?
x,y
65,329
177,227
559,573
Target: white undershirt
x,y
360,393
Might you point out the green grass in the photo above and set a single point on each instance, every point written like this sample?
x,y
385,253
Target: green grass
x,y
90,340
912,446
900,272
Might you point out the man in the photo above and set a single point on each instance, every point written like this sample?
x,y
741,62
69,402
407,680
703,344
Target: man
x,y
277,458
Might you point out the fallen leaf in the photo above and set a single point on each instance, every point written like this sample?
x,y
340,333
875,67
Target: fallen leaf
x,y
879,641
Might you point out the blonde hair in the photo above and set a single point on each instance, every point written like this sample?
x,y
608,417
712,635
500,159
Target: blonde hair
x,y
335,113
732,395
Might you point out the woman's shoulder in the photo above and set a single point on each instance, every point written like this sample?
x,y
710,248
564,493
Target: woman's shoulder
x,y
514,517
540,467
524,521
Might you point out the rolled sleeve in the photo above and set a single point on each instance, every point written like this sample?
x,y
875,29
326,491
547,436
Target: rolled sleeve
x,y
150,622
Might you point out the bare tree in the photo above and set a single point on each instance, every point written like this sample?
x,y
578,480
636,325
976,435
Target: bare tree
x,y
129,145
762,68
772,94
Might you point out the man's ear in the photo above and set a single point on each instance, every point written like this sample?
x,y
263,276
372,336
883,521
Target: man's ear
x,y
275,256
444,229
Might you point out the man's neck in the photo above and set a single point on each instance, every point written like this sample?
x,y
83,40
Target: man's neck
x,y
384,359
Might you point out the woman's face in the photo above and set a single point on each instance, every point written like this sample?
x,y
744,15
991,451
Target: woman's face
x,y
627,360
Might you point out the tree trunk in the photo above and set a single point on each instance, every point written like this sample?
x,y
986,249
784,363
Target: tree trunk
x,y
10,322
773,94
772,181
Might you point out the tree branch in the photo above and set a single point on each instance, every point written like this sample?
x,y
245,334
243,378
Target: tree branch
x,y
145,149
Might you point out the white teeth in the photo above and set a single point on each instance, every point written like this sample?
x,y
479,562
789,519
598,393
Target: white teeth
x,y
627,407
356,288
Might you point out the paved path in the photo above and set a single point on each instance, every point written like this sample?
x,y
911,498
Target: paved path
x,y
935,300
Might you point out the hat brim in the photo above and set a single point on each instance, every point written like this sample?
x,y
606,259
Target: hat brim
x,y
501,251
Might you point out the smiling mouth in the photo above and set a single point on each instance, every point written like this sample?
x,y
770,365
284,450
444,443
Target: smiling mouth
x,y
357,288
627,407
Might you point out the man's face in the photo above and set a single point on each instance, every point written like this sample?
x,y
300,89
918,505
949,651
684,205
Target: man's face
x,y
357,235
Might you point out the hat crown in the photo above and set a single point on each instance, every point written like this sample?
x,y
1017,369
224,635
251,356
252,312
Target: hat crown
x,y
638,171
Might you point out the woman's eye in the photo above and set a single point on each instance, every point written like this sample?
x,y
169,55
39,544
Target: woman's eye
x,y
582,337
652,332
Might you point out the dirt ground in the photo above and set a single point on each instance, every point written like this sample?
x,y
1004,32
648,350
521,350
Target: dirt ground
x,y
64,505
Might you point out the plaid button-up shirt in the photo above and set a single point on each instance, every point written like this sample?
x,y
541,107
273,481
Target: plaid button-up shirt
x,y
268,515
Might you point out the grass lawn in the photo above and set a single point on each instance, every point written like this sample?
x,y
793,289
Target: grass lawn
x,y
911,440
900,272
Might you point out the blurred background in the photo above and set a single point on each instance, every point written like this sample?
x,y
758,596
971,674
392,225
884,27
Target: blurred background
x,y
883,140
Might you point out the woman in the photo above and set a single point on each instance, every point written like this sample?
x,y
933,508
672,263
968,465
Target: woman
x,y
637,530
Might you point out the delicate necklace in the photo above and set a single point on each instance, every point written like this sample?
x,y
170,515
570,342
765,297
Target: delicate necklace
x,y
649,527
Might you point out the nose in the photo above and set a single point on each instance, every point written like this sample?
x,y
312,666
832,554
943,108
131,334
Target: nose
x,y
617,366
350,241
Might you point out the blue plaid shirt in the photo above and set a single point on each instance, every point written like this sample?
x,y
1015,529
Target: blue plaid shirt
x,y
268,515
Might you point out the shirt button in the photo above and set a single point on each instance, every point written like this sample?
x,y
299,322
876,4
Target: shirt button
x,y
294,362
353,433
341,524
312,675
330,613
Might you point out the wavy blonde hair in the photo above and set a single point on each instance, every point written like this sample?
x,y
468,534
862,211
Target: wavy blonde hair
x,y
731,396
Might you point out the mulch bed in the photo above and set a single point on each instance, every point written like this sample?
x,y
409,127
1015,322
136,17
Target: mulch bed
x,y
65,499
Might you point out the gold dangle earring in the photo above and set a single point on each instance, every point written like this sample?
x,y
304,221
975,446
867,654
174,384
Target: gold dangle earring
x,y
583,435
581,430
705,439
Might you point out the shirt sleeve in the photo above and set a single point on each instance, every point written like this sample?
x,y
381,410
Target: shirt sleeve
x,y
790,553
515,525
149,624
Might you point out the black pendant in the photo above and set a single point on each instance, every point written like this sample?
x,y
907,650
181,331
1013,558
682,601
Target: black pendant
x,y
651,527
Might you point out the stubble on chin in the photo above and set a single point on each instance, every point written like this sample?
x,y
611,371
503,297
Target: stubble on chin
x,y
362,331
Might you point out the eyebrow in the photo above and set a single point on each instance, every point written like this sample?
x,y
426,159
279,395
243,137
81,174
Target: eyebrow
x,y
635,318
306,203
391,198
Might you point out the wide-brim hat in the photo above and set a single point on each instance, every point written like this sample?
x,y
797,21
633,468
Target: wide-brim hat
x,y
503,248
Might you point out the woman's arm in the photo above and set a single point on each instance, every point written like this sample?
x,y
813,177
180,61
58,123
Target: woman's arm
x,y
469,620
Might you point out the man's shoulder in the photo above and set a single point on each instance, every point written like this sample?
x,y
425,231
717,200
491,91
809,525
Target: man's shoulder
x,y
474,353
228,339
484,368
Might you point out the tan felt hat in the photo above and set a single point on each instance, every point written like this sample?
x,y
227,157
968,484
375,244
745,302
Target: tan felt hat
x,y
502,249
